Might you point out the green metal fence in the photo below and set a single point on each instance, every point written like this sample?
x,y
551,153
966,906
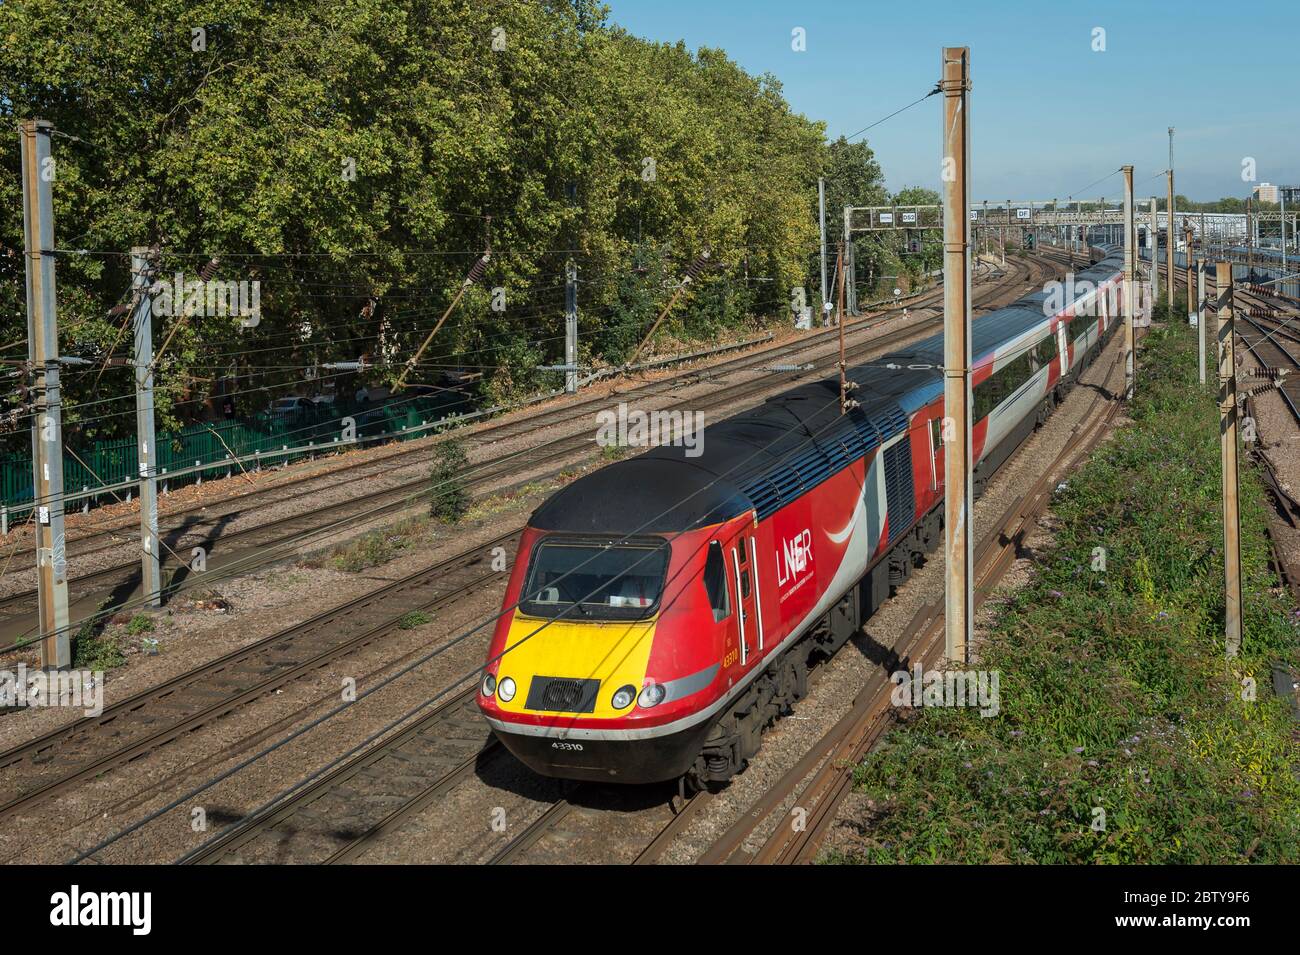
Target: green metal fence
x,y
207,449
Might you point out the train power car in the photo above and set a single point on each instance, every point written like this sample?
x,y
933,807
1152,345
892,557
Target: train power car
x,y
665,609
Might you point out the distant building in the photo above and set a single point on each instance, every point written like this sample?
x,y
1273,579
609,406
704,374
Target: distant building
x,y
1266,192
1290,195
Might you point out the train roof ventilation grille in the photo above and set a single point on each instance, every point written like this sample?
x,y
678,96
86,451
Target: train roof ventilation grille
x,y
782,483
764,495
898,488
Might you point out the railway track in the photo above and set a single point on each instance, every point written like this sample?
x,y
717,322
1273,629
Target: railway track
x,y
1269,327
69,756
140,724
337,817
602,823
263,543
1272,355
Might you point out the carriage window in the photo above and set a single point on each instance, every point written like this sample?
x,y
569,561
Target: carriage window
x,y
1000,385
744,583
715,582
1035,354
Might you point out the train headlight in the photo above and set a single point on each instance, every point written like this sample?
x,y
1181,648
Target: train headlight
x,y
506,689
652,695
624,697
489,684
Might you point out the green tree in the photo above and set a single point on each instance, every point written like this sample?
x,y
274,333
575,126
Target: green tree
x,y
348,156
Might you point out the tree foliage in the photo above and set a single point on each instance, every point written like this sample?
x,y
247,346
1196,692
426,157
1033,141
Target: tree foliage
x,y
228,130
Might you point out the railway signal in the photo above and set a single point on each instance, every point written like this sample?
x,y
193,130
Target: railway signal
x,y
846,403
571,326
958,490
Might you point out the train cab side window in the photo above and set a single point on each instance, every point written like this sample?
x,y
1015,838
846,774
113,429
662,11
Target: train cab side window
x,y
934,432
715,582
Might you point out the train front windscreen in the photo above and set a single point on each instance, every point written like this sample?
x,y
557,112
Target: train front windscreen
x,y
578,579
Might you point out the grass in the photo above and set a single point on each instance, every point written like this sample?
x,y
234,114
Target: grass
x,y
139,624
416,618
373,548
96,652
1116,695
500,503
95,645
1161,312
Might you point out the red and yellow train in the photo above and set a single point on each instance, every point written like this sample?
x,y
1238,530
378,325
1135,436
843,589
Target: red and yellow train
x,y
665,609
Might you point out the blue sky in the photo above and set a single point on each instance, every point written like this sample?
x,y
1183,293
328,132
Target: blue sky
x,y
1049,116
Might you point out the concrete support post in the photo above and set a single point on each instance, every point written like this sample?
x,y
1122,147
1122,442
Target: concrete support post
x,y
571,326
1250,239
958,489
1201,333
1169,239
1130,285
146,445
38,171
1281,196
821,221
1228,449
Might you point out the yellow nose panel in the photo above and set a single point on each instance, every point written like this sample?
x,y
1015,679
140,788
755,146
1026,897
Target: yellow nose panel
x,y
614,652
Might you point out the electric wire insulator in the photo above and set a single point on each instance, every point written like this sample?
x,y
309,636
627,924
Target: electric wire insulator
x,y
477,271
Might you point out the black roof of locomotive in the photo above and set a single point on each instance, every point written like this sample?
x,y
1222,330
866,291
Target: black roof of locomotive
x,y
763,457
755,460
